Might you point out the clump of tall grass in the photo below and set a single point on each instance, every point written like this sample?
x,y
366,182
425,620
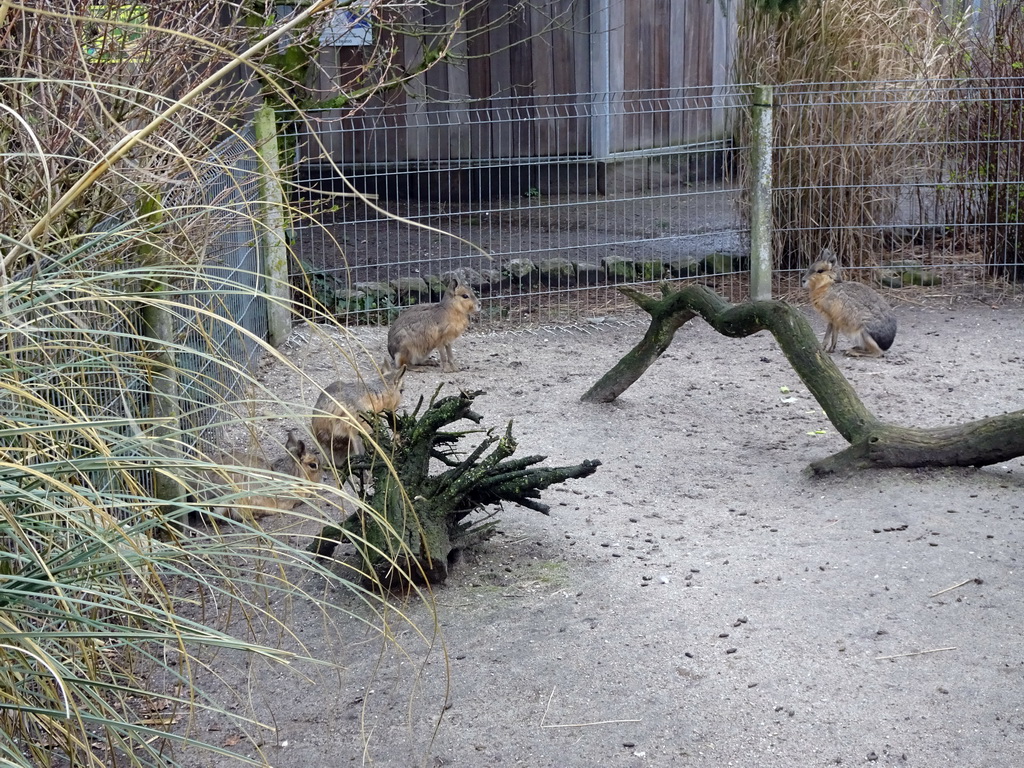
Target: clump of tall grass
x,y
103,580
986,125
124,364
856,115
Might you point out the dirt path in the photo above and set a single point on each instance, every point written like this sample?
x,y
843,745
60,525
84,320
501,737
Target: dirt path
x,y
699,601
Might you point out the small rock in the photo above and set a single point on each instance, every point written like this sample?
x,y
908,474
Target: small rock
x,y
518,269
718,264
651,270
557,270
619,268
465,275
378,290
588,274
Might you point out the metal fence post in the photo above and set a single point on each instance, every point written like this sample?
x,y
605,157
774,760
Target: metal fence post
x,y
274,245
761,194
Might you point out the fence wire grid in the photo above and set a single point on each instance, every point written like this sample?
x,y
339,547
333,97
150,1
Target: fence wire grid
x,y
555,229
911,183
886,175
64,380
224,202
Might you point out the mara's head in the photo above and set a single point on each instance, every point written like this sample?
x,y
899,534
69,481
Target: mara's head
x,y
305,461
823,271
389,397
462,296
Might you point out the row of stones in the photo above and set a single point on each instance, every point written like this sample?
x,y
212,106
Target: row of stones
x,y
551,272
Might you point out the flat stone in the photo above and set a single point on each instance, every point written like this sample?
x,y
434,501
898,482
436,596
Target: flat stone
x,y
651,269
619,268
559,266
588,274
405,286
718,264
518,269
685,265
490,276
376,290
905,277
465,275
557,271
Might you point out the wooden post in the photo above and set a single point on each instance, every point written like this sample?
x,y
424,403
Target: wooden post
x,y
159,329
761,194
274,245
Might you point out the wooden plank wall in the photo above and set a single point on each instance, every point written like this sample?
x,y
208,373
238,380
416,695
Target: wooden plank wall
x,y
521,86
662,72
526,71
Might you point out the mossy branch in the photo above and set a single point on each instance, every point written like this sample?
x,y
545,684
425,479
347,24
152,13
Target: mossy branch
x,y
873,443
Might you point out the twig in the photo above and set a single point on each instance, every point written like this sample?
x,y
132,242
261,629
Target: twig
x,y
128,142
947,589
575,725
915,653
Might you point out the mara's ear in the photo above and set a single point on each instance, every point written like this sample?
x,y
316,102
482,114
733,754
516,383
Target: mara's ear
x,y
293,445
829,256
392,376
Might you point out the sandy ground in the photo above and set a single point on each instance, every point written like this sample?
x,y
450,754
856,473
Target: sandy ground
x,y
700,600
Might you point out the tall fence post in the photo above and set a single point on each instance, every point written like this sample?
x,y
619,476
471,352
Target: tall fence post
x,y
159,327
761,194
275,247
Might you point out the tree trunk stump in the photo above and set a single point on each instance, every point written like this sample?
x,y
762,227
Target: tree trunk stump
x,y
414,522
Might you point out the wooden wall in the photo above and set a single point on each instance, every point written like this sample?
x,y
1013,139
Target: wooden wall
x,y
524,86
664,63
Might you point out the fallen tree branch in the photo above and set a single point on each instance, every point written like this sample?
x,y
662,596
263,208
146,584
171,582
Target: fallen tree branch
x,y
872,443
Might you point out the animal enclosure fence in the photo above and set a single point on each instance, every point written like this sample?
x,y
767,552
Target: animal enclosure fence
x,y
81,349
546,230
230,312
549,231
910,183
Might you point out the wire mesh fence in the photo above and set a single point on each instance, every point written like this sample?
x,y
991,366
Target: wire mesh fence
x,y
911,183
81,348
903,180
219,335
504,196
63,384
914,185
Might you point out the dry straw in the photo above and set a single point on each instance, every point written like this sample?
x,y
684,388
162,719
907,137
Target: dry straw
x,y
855,115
